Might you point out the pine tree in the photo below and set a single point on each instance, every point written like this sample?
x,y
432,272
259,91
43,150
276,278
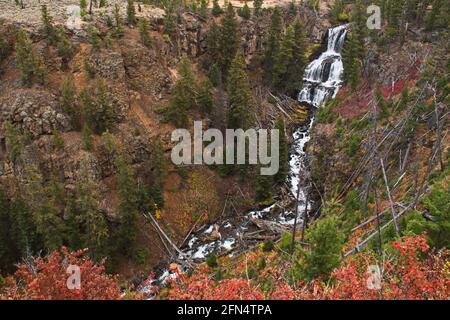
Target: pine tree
x,y
273,45
109,146
18,236
14,141
359,30
29,64
5,47
64,47
242,104
94,37
58,140
169,18
43,201
90,70
283,58
212,44
336,10
403,102
204,9
128,210
292,8
67,101
437,202
352,63
381,103
205,98
183,97
89,222
230,39
434,18
83,7
118,31
411,10
144,33
86,136
257,5
244,12
326,244
8,255
159,171
299,59
263,188
290,60
47,20
97,108
216,10
215,75
394,18
131,12
283,171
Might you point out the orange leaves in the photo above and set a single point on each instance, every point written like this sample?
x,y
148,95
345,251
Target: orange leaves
x,y
46,278
407,274
410,271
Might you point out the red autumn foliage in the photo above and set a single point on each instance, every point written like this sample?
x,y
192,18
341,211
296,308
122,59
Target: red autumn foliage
x,y
46,279
408,271
359,102
200,286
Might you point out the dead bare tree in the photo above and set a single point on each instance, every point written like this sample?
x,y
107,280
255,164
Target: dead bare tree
x,y
305,219
161,231
296,217
391,203
380,242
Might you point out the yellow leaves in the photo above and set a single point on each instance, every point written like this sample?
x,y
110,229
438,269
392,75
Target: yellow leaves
x,y
430,102
446,269
158,214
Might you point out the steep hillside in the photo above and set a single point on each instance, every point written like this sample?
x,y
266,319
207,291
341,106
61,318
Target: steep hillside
x,y
90,96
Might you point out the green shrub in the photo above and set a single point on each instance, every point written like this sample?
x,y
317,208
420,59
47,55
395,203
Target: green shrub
x,y
268,246
437,204
352,145
326,242
262,264
285,242
141,256
90,70
211,261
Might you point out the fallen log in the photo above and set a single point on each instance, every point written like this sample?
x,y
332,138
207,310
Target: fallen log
x,y
259,237
269,226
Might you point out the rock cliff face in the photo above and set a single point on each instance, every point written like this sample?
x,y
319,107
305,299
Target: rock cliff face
x,y
138,82
33,111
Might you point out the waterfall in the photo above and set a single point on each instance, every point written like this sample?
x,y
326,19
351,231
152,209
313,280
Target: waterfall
x,y
323,77
322,81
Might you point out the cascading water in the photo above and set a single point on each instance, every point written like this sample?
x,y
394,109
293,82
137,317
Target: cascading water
x,y
323,76
322,80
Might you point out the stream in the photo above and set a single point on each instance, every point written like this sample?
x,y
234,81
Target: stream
x,y
321,81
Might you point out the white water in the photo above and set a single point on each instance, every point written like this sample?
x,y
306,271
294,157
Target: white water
x,y
322,80
323,76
